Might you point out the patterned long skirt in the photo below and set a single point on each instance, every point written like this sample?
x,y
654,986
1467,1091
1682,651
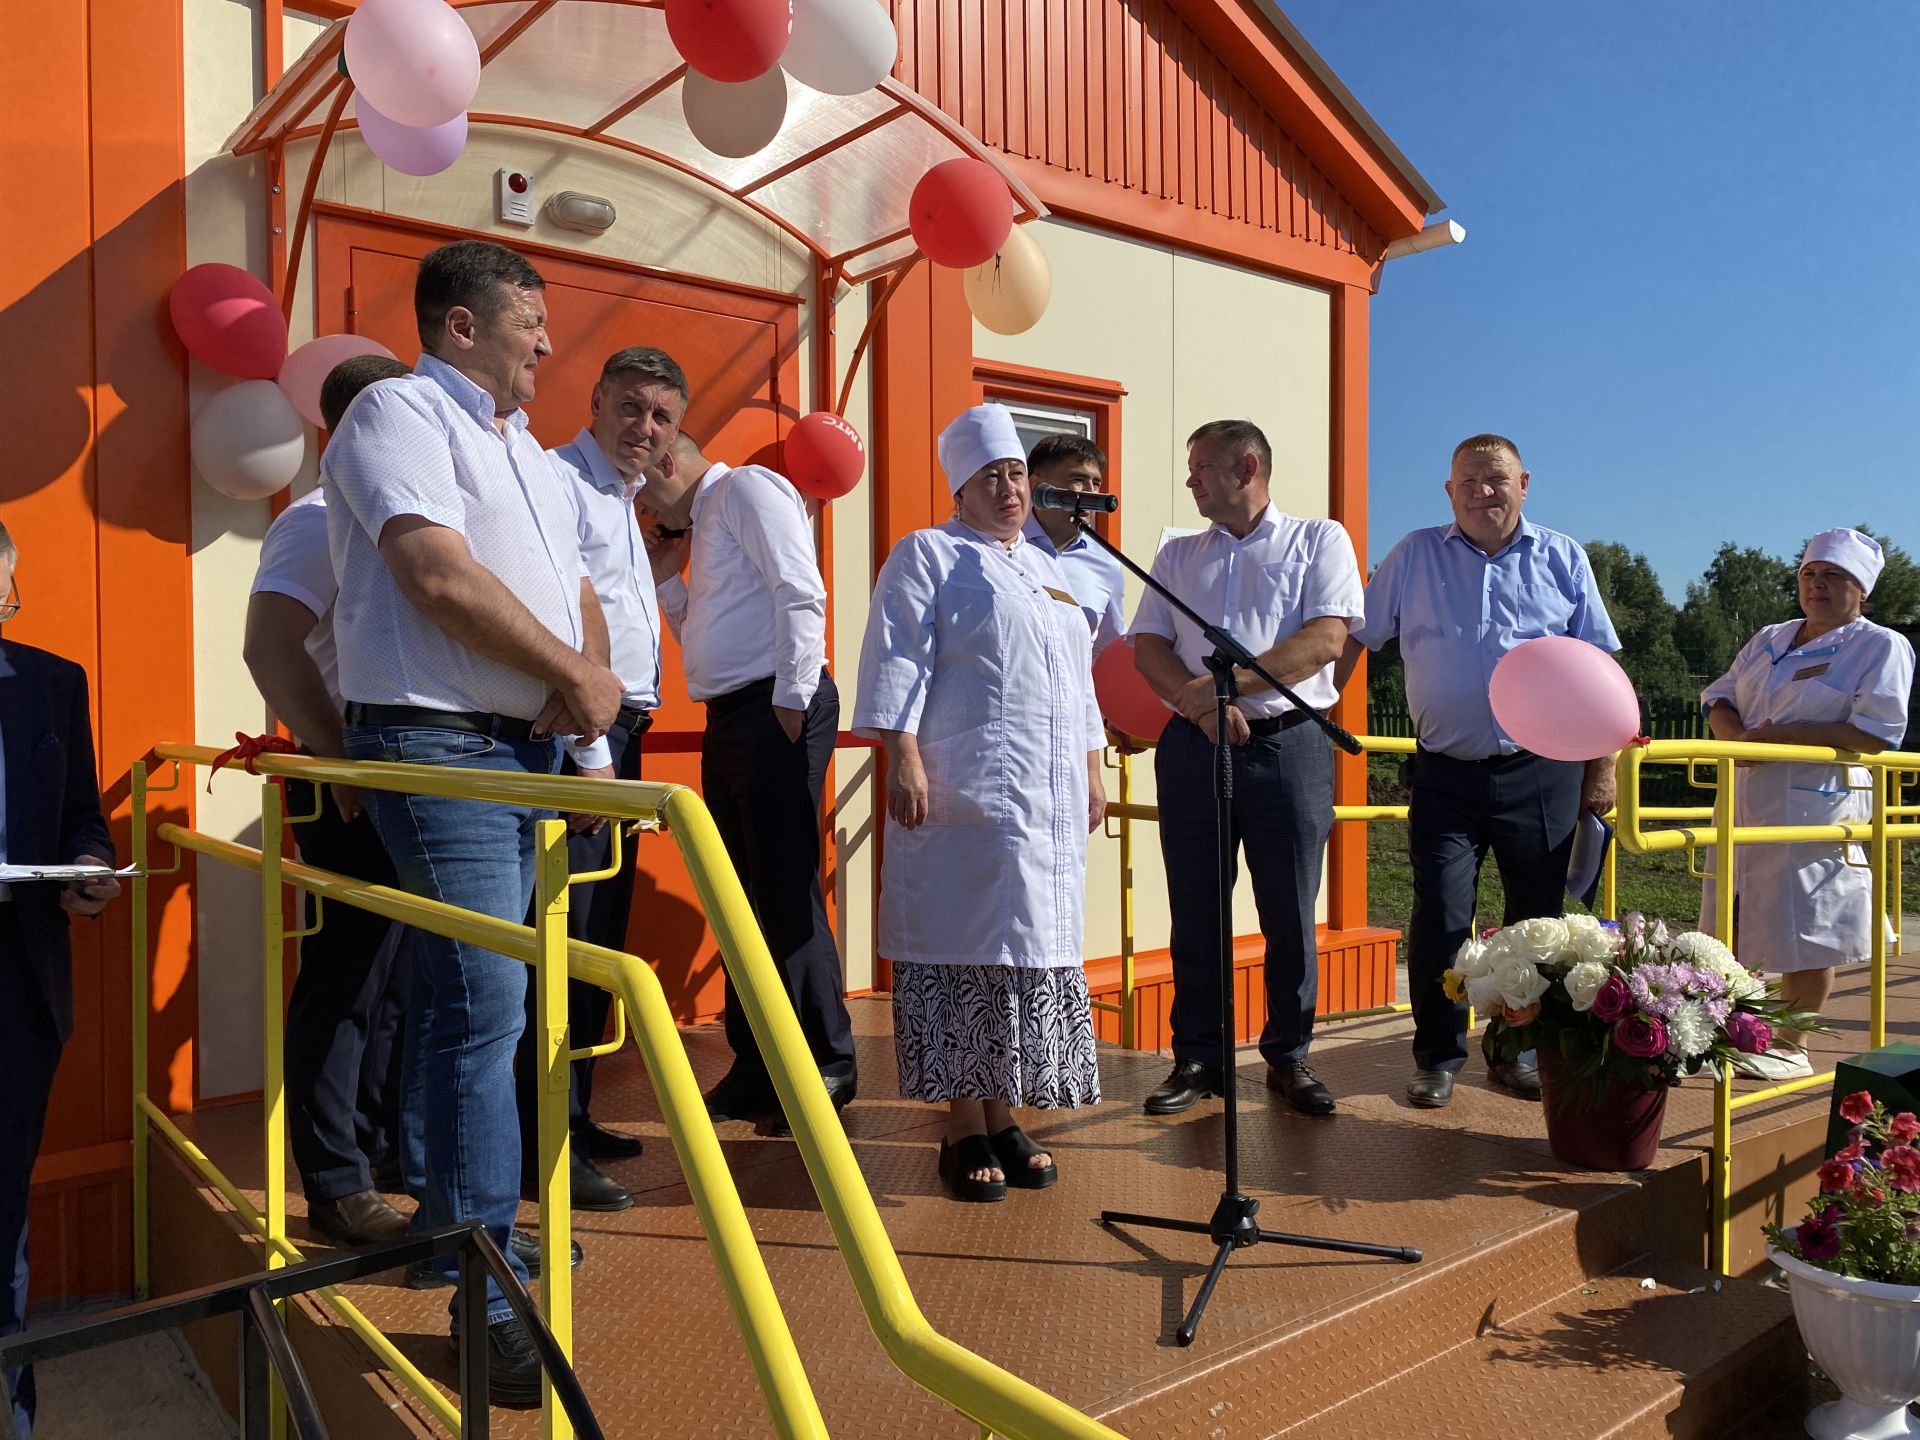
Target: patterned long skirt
x,y
995,1032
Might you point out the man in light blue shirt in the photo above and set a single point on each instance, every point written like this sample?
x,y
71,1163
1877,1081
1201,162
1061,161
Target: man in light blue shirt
x,y
1094,578
1460,596
635,413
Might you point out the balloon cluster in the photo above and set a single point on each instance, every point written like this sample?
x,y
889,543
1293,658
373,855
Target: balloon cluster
x,y
250,440
739,54
415,67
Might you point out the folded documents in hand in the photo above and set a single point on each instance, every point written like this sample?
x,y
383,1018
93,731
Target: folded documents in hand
x,y
1591,836
15,874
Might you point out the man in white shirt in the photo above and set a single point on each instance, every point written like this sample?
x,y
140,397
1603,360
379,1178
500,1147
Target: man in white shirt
x,y
1287,589
635,412
1094,578
468,637
341,1089
752,628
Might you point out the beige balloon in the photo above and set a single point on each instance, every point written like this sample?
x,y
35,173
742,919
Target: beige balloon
x,y
1010,292
735,121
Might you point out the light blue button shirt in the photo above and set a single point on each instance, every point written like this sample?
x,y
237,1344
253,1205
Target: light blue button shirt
x,y
1457,610
616,558
1094,578
426,445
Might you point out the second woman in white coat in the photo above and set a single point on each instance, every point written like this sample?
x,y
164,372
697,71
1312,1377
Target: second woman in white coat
x,y
976,675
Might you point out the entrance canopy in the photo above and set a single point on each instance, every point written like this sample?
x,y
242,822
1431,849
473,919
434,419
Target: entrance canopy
x,y
837,178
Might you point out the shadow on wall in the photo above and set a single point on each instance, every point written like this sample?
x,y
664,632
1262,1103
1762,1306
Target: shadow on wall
x,y
85,379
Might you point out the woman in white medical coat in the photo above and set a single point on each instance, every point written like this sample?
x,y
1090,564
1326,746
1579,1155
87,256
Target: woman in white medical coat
x,y
1833,678
976,674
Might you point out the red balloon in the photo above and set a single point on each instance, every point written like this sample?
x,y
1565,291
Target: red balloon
x,y
730,40
824,455
1126,700
961,213
230,320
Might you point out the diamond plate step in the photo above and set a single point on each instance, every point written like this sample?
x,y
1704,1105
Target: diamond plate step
x,y
1613,1359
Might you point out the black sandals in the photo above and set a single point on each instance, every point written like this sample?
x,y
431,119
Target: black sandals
x,y
959,1159
1014,1149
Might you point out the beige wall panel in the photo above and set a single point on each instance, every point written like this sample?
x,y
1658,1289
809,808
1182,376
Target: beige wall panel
x,y
1166,326
849,568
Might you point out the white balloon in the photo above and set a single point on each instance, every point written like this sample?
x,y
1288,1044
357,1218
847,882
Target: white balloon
x,y
249,441
842,47
735,120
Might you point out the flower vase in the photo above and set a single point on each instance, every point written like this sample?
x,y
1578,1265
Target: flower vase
x,y
1604,1124
1866,1337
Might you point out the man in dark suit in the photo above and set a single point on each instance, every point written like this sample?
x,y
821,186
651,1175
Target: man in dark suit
x,y
50,816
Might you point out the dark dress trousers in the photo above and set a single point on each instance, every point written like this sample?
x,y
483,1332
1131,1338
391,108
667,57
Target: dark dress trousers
x,y
765,791
52,818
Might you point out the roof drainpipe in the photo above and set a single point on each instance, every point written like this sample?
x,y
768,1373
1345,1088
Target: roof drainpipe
x,y
1440,232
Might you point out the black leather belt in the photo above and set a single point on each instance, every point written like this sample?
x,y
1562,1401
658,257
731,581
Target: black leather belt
x,y
634,722
471,722
1494,759
759,690
1274,724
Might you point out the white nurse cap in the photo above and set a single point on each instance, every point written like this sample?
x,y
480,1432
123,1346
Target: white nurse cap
x,y
976,439
1859,555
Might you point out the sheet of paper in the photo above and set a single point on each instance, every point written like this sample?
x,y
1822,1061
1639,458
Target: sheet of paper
x,y
16,874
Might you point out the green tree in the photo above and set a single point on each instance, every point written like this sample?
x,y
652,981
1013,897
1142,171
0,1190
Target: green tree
x,y
1742,590
1645,620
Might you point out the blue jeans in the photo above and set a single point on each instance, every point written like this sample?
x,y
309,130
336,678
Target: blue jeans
x,y
467,1004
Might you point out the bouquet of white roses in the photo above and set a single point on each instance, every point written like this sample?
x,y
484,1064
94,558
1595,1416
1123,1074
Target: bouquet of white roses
x,y
1634,999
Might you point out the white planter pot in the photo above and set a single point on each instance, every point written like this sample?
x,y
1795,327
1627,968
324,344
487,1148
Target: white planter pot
x,y
1866,1336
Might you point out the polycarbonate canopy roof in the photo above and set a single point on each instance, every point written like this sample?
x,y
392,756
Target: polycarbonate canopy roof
x,y
837,178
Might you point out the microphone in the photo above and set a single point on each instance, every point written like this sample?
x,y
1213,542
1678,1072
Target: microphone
x,y
1052,497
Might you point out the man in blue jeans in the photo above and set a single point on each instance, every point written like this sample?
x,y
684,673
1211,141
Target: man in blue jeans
x,y
468,637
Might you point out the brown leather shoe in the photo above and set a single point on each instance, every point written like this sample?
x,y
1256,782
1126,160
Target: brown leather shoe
x,y
363,1218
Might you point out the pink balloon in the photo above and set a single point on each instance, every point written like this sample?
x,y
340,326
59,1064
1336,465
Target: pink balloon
x,y
1126,700
307,369
416,60
1565,699
411,149
230,320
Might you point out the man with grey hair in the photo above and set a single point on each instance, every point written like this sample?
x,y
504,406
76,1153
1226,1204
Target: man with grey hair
x,y
1288,589
49,815
633,416
1460,596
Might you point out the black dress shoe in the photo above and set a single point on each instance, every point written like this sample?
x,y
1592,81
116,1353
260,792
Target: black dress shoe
x,y
513,1365
593,1188
422,1276
1431,1089
1519,1077
841,1090
362,1218
600,1143
1189,1082
1304,1092
736,1098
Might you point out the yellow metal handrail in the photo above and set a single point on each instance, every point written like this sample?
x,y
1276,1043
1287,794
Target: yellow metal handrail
x,y
1889,769
1000,1402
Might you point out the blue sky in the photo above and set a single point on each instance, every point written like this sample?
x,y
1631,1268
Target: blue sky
x,y
1690,288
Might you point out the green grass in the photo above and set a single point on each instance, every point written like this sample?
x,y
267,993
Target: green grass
x,y
1653,884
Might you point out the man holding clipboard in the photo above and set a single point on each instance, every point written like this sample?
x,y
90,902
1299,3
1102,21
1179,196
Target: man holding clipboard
x,y
49,816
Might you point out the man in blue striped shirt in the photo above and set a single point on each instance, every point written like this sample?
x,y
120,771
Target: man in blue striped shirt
x,y
1460,596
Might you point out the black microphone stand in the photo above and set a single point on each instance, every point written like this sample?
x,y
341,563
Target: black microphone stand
x,y
1231,1226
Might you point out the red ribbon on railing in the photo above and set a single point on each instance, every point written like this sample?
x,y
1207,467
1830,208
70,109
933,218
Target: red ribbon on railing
x,y
249,749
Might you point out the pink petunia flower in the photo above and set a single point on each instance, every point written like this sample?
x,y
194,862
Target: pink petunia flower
x,y
1856,1107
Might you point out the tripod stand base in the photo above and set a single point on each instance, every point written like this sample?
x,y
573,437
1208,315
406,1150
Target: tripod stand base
x,y
1231,1229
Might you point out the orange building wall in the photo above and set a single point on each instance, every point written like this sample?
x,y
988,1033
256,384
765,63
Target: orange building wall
x,y
94,490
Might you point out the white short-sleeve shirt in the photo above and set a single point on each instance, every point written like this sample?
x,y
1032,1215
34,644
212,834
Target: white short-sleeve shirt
x,y
295,562
1261,589
426,445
